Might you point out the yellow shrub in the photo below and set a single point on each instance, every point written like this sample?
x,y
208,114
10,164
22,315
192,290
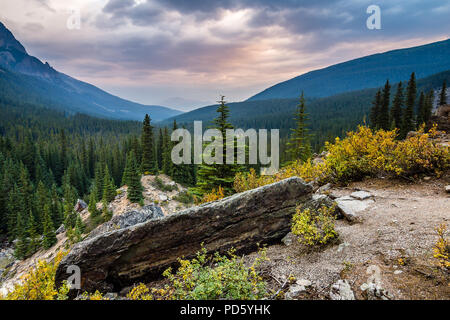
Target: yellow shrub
x,y
93,296
140,292
441,249
359,154
212,196
314,227
39,283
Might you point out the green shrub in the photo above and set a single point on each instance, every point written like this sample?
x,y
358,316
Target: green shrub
x,y
217,277
184,197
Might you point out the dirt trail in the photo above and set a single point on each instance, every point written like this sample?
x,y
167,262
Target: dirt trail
x,y
399,224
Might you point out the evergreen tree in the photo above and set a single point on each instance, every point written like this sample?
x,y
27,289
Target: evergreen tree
x,y
167,165
33,235
383,115
160,149
396,110
92,207
299,146
428,105
56,211
421,112
148,164
41,201
132,179
408,116
375,111
106,214
109,190
79,229
213,176
16,211
443,95
98,180
49,236
22,244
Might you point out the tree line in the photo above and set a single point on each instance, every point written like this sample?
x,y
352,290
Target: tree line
x,y
407,111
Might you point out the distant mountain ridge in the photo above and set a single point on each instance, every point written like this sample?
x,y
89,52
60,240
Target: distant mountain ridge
x,y
64,92
365,72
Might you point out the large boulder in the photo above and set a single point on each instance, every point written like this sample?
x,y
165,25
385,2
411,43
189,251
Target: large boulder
x,y
119,258
128,219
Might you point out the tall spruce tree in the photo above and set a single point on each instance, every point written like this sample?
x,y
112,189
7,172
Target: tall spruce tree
x,y
109,190
49,236
218,174
167,164
408,116
148,165
383,115
160,149
429,105
443,95
375,111
396,110
21,247
421,111
34,242
92,207
299,147
132,179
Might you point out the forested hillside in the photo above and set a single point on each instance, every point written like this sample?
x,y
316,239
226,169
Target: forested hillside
x,y
49,159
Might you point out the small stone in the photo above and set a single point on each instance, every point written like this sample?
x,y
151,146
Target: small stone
x,y
342,246
288,239
163,197
361,195
341,290
110,296
324,188
80,205
398,271
426,178
447,189
303,282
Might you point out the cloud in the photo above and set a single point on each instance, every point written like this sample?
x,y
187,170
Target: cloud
x,y
204,47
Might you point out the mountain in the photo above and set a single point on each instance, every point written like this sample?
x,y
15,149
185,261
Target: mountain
x,y
27,77
366,72
328,117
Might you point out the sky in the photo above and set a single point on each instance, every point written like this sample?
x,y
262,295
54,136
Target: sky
x,y
186,53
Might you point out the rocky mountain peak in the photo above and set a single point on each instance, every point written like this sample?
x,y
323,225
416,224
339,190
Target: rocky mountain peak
x,y
8,41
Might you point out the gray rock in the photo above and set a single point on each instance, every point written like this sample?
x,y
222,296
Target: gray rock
x,y
288,239
294,290
80,205
374,291
398,271
111,296
349,207
447,189
304,283
324,188
139,253
341,290
361,195
128,219
163,197
61,229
